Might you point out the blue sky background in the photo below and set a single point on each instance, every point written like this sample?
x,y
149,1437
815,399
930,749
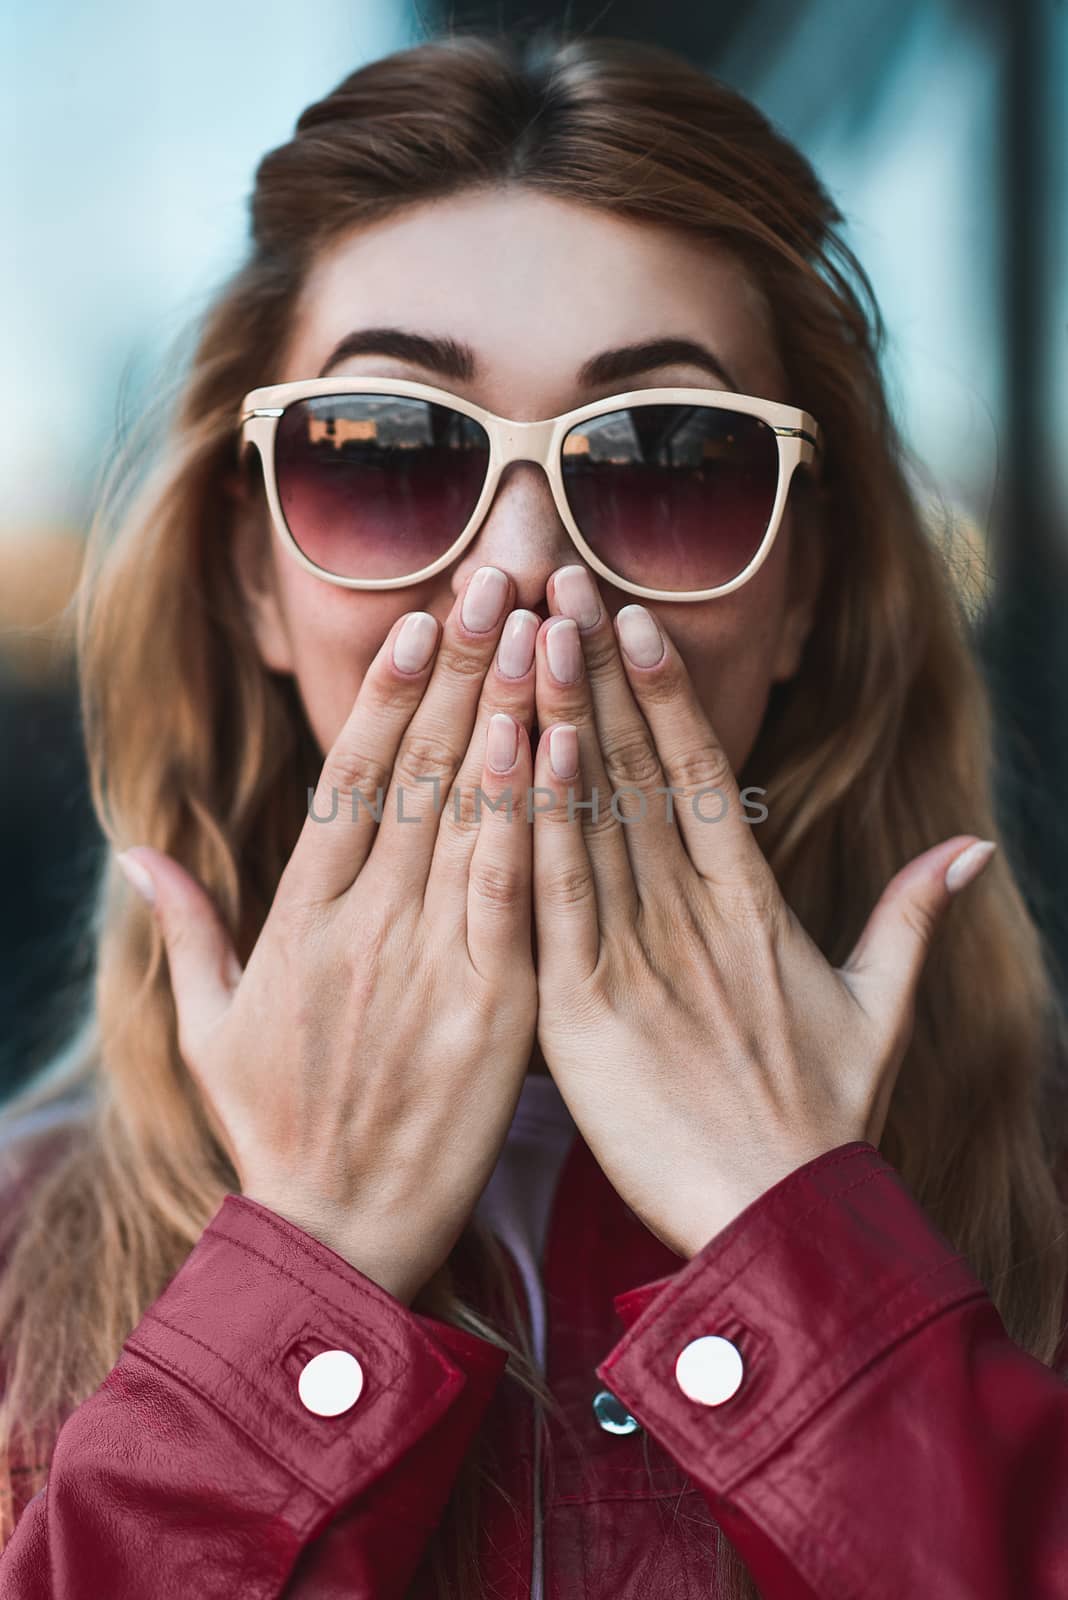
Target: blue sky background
x,y
136,126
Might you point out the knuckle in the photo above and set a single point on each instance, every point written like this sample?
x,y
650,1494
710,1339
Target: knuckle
x,y
470,805
497,884
348,767
753,899
599,821
424,755
570,886
601,654
553,816
629,759
919,919
371,946
662,690
297,922
701,769
482,1007
459,659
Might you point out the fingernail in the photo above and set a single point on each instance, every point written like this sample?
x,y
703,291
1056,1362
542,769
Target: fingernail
x,y
515,653
969,864
137,875
414,644
501,741
564,650
576,596
484,600
639,635
563,749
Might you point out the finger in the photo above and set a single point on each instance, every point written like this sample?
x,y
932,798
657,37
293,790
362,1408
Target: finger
x,y
884,968
349,797
438,736
498,891
508,689
628,752
563,695
706,799
203,965
565,892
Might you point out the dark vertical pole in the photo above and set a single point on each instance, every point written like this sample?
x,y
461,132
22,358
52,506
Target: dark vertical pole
x,y
1025,641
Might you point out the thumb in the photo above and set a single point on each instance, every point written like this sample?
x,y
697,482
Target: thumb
x,y
203,965
885,966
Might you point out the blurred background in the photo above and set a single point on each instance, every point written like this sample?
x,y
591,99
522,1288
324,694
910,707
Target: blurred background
x,y
131,132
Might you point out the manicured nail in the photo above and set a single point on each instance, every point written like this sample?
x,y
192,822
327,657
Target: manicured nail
x,y
640,636
563,749
137,875
414,644
484,600
969,864
502,740
575,594
564,650
515,653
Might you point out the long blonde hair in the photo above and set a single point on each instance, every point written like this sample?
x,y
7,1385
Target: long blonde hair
x,y
879,747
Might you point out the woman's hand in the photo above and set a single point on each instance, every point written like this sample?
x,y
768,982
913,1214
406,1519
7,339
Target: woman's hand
x,y
704,1045
363,1069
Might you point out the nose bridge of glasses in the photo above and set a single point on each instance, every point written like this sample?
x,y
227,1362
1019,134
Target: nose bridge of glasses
x,y
524,441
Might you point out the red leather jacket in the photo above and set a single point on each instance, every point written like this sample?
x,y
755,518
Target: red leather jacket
x,y
887,1438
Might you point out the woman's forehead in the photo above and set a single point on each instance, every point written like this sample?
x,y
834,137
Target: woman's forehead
x,y
534,286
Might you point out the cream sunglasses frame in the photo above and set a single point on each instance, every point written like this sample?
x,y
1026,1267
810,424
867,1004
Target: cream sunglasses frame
x,y
797,435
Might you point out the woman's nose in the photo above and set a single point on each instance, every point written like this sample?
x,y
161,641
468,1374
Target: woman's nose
x,y
523,535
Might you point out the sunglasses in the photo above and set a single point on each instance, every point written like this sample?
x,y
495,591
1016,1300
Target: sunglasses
x,y
670,494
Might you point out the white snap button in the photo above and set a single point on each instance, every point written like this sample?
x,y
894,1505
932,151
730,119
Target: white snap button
x,y
709,1370
330,1383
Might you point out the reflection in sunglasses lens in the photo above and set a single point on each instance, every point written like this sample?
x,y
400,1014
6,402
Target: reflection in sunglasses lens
x,y
672,496
377,485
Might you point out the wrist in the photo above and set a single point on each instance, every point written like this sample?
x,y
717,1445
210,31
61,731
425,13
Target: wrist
x,y
383,1266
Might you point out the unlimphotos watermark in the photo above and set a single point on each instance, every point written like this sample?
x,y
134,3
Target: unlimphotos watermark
x,y
708,803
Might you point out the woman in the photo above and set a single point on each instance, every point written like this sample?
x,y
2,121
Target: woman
x,y
508,1199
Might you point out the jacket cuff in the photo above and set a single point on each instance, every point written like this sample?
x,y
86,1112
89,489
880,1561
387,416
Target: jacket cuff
x,y
814,1280
256,1299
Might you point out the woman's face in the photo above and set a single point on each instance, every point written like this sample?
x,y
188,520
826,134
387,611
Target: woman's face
x,y
536,287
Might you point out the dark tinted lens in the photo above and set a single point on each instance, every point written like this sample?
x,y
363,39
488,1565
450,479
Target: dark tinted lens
x,y
673,496
377,485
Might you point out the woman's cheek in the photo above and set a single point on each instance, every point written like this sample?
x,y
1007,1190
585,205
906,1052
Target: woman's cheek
x,y
336,636
728,646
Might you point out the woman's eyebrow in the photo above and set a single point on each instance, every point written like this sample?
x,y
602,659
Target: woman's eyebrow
x,y
446,356
452,359
614,366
